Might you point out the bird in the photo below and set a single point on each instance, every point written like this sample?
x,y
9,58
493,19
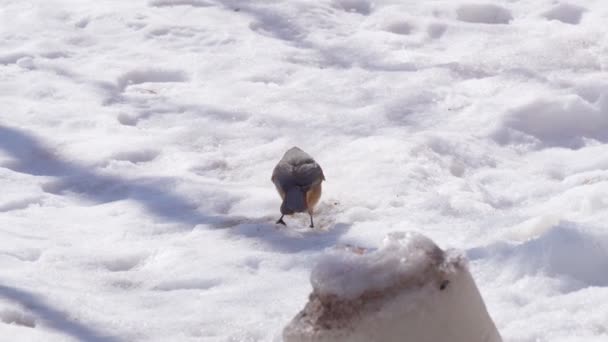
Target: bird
x,y
298,179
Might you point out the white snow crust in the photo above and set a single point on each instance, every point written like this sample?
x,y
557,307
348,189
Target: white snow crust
x,y
137,141
409,290
402,256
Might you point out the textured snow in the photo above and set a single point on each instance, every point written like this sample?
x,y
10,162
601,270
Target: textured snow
x,y
402,256
137,141
396,293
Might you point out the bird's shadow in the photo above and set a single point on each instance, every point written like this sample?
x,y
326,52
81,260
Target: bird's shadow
x,y
29,155
287,239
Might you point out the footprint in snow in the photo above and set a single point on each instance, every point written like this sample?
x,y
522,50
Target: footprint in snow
x,y
436,30
19,204
363,7
124,284
150,75
171,3
187,284
400,27
25,255
124,263
566,13
18,318
136,156
484,14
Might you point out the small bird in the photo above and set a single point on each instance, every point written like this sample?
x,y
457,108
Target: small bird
x,y
298,178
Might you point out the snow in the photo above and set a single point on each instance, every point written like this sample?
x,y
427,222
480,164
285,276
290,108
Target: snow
x,y
567,13
483,13
348,275
544,254
137,141
408,290
572,120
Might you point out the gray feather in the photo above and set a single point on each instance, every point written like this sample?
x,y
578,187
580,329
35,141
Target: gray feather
x,y
295,174
297,168
295,201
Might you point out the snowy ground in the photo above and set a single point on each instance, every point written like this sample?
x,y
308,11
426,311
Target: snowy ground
x,y
137,140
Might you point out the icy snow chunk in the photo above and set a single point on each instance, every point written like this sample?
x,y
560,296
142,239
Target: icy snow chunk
x,y
483,13
403,256
566,13
396,293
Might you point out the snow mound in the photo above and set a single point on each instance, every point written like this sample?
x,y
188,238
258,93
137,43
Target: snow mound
x,y
551,254
563,122
403,257
483,13
396,293
566,13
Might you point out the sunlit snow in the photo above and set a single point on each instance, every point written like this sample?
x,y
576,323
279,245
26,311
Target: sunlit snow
x,y
138,138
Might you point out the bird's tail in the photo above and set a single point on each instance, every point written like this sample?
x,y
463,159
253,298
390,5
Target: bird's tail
x,y
294,202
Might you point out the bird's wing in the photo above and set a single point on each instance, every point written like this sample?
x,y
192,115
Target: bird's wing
x,y
297,168
308,174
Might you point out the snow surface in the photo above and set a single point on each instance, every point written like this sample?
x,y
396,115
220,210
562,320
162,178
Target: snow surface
x,y
137,139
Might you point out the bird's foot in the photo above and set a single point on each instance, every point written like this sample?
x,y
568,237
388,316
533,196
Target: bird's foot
x,y
280,221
